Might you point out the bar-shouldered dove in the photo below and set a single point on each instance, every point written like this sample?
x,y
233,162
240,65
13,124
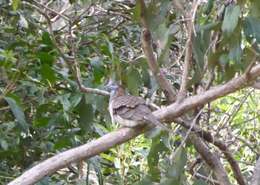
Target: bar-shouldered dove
x,y
130,111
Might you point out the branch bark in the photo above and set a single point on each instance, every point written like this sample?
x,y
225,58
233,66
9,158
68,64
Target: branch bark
x,y
152,62
211,159
122,135
176,109
256,175
88,150
207,136
188,51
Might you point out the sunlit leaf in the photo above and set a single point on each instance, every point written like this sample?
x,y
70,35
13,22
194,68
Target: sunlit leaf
x,y
137,12
16,4
23,22
3,144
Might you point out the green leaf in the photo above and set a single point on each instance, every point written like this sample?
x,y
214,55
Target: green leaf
x,y
62,143
231,18
75,100
18,113
137,12
86,114
153,157
41,122
64,100
3,144
252,28
133,81
235,53
16,4
208,7
46,39
145,181
99,69
45,58
175,172
199,182
48,73
7,58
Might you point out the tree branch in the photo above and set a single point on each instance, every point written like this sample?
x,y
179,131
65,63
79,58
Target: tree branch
x,y
211,159
77,70
256,175
188,50
176,109
256,85
207,136
152,62
122,135
67,58
65,17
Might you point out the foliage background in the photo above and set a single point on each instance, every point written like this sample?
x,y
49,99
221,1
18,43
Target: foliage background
x,y
43,110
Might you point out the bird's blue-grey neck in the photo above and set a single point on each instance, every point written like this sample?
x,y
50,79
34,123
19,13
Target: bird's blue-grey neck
x,y
113,88
113,92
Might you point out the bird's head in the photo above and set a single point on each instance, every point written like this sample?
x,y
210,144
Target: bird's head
x,y
114,88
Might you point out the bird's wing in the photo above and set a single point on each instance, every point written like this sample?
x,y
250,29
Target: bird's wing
x,y
136,114
127,101
130,107
133,108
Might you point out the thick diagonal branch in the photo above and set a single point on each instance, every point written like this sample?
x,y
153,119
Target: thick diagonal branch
x,y
211,159
207,136
105,142
256,175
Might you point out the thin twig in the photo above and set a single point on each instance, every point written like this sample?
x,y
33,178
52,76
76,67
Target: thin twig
x,y
207,179
188,50
60,13
152,62
68,59
187,133
77,69
51,10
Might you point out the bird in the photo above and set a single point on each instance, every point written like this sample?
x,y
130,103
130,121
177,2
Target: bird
x,y
130,111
